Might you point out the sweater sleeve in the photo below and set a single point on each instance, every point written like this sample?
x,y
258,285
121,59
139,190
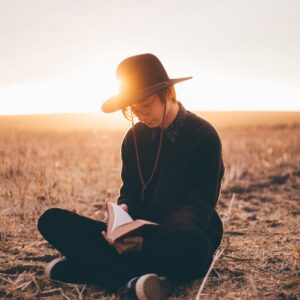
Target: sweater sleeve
x,y
127,191
203,185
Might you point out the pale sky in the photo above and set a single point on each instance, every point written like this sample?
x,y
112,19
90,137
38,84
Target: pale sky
x,y
61,55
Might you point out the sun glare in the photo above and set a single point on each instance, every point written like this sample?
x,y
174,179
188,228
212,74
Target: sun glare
x,y
206,92
78,94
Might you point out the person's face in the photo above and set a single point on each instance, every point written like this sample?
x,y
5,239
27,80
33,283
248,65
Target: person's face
x,y
149,111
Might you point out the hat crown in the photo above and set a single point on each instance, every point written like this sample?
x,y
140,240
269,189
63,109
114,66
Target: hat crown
x,y
139,72
140,76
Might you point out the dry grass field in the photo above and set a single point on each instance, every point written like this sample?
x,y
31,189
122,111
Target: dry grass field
x,y
259,204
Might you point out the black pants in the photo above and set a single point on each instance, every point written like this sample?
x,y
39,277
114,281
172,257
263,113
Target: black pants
x,y
183,254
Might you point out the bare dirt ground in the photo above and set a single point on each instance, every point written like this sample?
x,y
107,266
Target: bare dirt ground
x,y
259,204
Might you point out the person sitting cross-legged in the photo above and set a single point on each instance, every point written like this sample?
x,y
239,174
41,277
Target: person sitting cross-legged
x,y
172,169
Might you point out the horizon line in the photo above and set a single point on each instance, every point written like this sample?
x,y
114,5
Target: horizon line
x,y
112,114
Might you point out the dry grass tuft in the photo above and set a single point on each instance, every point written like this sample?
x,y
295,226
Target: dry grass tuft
x,y
259,204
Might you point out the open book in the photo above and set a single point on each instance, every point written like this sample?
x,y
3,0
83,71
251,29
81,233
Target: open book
x,y
120,224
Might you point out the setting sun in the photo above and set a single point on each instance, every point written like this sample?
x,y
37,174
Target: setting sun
x,y
64,60
84,94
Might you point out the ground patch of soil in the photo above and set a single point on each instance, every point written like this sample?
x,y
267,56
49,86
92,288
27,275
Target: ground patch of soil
x,y
259,205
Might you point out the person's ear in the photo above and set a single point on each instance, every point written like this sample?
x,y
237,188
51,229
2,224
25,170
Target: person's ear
x,y
171,94
168,95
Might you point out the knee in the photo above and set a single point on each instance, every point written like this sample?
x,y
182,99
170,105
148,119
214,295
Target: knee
x,y
193,245
193,253
192,238
48,219
189,242
199,249
196,242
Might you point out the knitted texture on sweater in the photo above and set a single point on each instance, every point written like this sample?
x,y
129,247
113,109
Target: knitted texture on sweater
x,y
186,185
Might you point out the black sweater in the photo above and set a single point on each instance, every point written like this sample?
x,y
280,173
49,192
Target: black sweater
x,y
186,185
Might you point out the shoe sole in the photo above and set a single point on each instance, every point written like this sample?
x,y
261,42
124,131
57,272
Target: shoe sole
x,y
153,287
51,264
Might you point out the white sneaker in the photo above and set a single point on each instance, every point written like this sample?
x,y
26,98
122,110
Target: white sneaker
x,y
149,287
62,269
51,266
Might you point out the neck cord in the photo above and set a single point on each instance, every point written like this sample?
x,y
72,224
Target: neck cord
x,y
145,185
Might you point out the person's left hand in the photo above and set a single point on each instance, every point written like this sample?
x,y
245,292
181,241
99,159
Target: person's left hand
x,y
129,244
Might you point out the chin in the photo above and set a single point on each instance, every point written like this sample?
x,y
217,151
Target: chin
x,y
151,124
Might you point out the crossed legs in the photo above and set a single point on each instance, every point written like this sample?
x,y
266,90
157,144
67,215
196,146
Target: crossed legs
x,y
183,254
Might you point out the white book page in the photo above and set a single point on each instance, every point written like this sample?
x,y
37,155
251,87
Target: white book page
x,y
121,217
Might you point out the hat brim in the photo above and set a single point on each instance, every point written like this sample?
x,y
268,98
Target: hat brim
x,y
120,101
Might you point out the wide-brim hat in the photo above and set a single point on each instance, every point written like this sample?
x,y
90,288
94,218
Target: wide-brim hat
x,y
140,77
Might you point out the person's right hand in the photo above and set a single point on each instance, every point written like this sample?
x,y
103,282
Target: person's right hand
x,y
123,206
129,244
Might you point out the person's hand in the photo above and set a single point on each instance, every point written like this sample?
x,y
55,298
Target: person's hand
x,y
129,244
123,206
